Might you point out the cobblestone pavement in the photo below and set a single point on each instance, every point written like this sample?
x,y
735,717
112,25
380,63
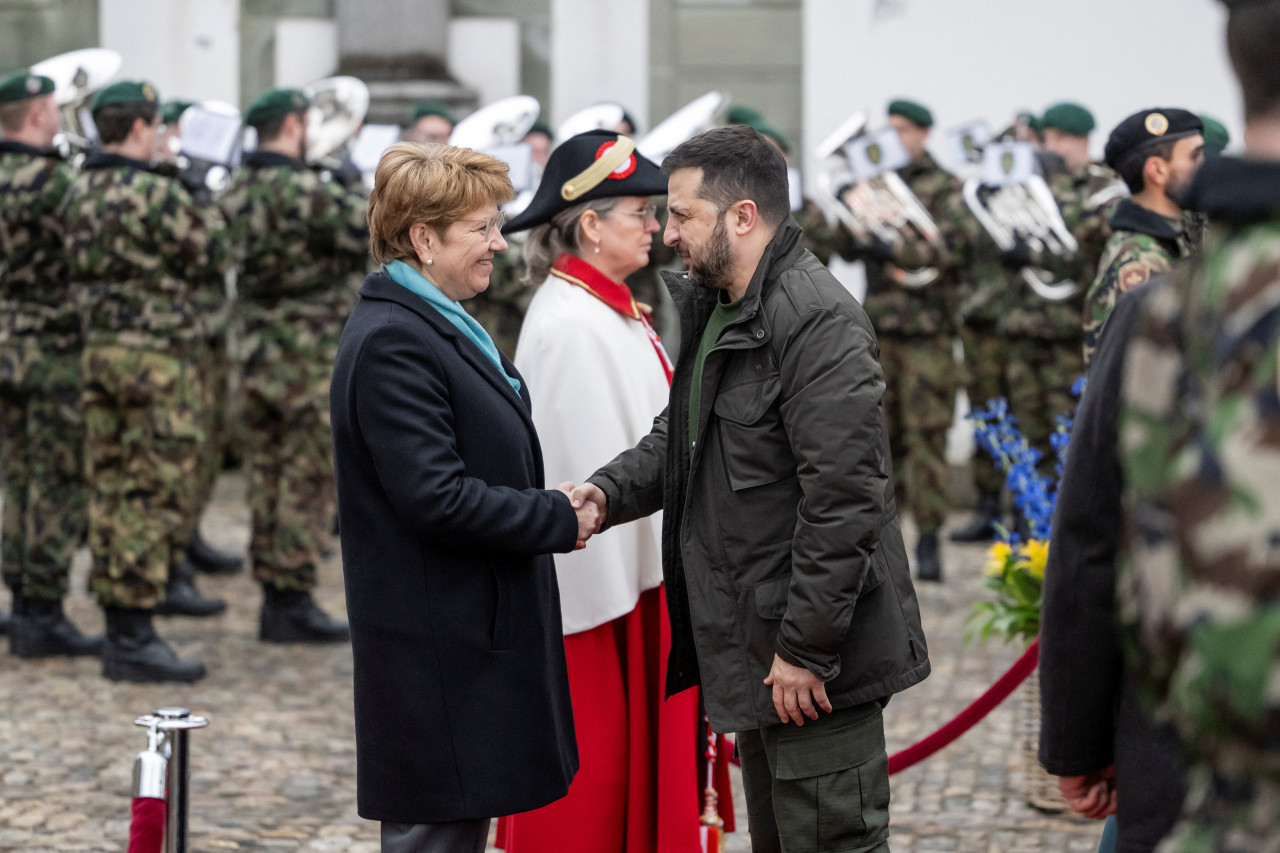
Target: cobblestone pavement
x,y
276,769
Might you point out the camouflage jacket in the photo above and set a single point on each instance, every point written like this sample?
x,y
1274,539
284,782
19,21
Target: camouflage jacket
x,y
297,240
1143,245
1200,446
139,250
1086,198
35,296
896,309
988,290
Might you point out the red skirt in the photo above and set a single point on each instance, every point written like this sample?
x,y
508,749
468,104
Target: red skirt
x,y
642,760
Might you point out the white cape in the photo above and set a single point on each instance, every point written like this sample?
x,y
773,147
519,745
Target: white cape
x,y
597,385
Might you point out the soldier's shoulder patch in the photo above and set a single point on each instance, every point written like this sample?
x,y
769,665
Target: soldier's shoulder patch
x,y
1132,274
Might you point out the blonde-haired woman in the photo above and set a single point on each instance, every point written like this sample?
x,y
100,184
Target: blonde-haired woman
x,y
602,376
462,702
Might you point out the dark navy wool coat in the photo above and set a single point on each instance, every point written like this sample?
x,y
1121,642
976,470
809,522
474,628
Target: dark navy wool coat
x,y
461,691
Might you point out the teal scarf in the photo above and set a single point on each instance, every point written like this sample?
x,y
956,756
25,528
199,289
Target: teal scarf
x,y
414,281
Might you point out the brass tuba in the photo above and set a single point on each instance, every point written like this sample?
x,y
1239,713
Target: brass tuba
x,y
700,114
498,129
77,76
338,107
861,188
1012,202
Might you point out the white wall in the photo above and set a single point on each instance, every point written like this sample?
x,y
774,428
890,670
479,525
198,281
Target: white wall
x,y
190,49
306,51
987,58
484,54
599,52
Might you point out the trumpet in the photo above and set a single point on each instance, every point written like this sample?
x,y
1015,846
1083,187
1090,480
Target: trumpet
x,y
1012,202
861,188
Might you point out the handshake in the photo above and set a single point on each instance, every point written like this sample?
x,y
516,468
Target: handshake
x,y
589,504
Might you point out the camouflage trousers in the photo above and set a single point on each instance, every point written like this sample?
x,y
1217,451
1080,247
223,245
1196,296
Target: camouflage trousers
x,y
1040,373
921,376
292,495
212,367
42,448
986,358
143,431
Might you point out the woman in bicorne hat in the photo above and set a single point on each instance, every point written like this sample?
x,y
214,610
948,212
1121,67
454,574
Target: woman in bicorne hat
x,y
601,376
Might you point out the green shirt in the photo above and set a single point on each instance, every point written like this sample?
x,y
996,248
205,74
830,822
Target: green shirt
x,y
724,314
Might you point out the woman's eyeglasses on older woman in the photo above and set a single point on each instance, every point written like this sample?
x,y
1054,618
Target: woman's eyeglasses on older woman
x,y
491,225
645,214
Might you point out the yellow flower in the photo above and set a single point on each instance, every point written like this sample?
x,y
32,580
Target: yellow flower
x,y
996,559
1036,555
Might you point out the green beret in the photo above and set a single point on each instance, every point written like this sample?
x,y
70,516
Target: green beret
x,y
542,127
22,84
739,114
1069,118
1216,138
422,109
126,92
274,104
913,112
1034,123
173,110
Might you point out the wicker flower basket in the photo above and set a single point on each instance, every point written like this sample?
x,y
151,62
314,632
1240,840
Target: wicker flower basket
x,y
1041,788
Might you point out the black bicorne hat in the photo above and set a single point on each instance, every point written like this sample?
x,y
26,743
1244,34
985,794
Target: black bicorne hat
x,y
591,165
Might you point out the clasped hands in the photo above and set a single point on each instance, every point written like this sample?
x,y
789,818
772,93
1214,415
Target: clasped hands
x,y
589,505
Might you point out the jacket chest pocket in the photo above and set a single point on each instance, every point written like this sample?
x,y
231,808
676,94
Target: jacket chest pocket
x,y
753,440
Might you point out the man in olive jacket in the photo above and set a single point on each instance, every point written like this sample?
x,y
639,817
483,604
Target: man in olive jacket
x,y
787,582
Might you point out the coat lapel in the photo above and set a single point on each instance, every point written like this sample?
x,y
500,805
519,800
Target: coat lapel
x,y
381,286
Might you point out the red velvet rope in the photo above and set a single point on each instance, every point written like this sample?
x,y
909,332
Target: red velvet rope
x,y
970,716
146,829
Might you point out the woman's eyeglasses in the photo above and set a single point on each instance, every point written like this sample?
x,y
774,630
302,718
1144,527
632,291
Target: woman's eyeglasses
x,y
650,212
491,225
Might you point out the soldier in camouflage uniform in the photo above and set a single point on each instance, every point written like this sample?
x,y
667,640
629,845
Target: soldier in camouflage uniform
x,y
1200,421
1044,337
42,432
298,238
915,328
135,240
1156,152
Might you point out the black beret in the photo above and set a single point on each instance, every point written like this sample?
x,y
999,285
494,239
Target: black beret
x,y
1147,128
582,169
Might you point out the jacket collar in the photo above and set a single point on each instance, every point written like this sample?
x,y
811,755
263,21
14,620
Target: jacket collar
x,y
1131,216
8,146
273,159
104,160
381,287
1237,191
612,293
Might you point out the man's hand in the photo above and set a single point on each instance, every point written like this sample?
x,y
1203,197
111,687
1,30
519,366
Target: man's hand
x,y
1092,795
590,512
795,692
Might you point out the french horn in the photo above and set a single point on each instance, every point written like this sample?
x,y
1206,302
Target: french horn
x,y
77,76
873,202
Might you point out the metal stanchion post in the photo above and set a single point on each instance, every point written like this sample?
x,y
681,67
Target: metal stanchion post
x,y
175,723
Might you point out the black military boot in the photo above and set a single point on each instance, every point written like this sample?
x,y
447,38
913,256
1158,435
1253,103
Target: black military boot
x,y
292,616
181,598
928,563
982,527
41,630
134,652
210,561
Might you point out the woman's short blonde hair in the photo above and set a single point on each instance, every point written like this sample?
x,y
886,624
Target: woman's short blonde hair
x,y
431,184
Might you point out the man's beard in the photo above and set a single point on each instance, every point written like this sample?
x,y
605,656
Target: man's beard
x,y
714,270
1179,192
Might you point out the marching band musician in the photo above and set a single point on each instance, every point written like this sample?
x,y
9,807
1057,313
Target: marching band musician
x,y
137,245
915,330
433,121
297,239
1157,152
42,431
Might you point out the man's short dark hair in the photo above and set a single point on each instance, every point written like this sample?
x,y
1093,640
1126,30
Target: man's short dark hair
x,y
1253,31
114,121
1135,162
737,163
269,130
